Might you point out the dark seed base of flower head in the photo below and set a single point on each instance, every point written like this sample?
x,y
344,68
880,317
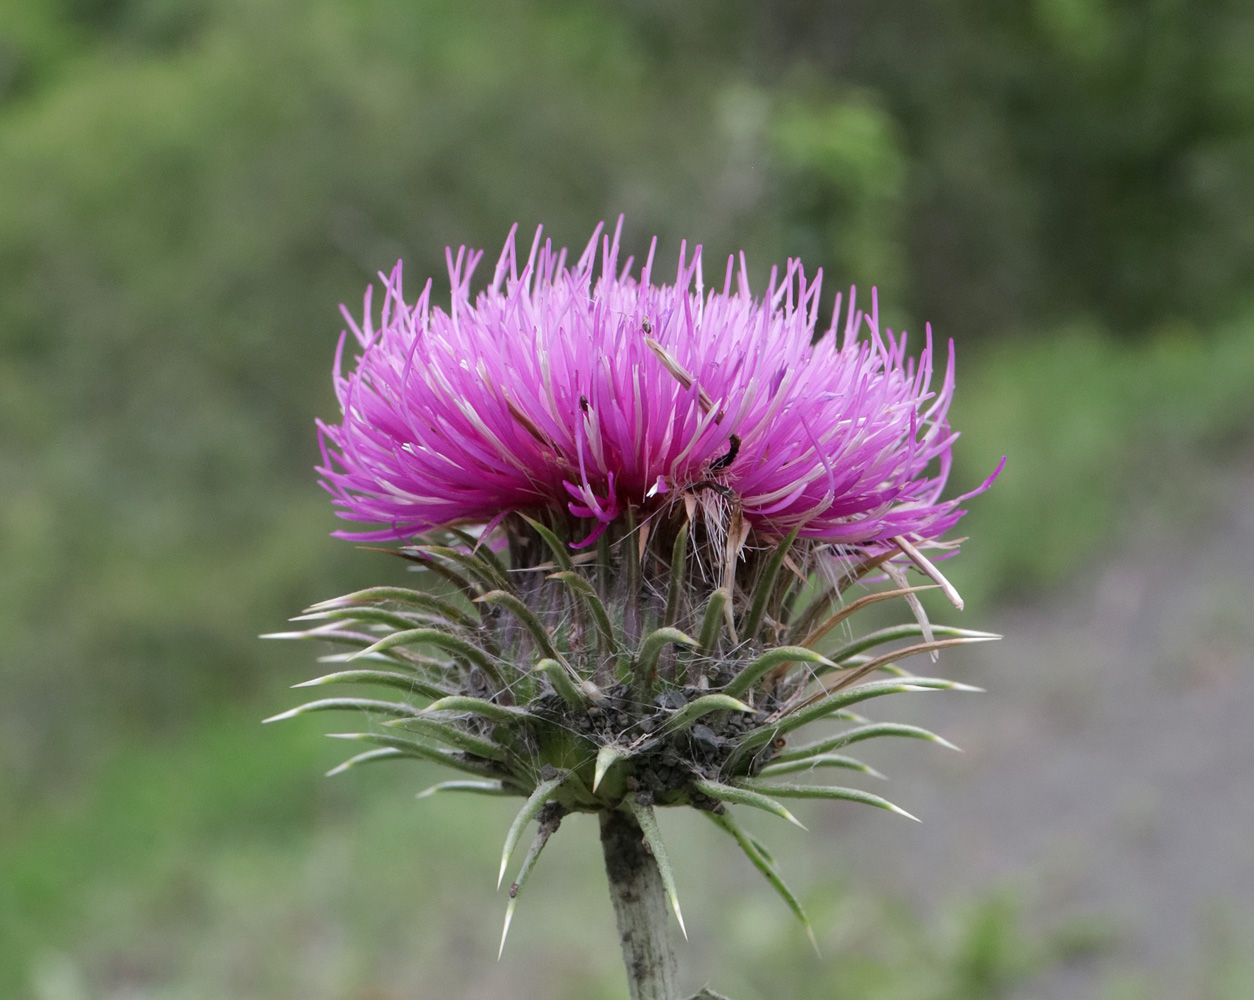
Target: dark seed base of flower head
x,y
660,774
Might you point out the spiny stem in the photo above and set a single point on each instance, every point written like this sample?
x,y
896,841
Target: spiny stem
x,y
640,907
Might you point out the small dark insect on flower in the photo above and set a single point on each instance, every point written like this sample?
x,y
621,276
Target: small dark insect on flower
x,y
715,487
723,461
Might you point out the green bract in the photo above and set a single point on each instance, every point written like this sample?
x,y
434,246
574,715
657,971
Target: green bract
x,y
666,668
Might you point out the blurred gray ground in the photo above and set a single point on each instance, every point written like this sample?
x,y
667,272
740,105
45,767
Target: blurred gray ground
x,y
1109,769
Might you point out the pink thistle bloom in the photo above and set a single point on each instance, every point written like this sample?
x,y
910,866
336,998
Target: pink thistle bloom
x,y
573,389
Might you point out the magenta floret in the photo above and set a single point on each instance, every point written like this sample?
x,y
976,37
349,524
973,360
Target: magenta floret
x,y
585,390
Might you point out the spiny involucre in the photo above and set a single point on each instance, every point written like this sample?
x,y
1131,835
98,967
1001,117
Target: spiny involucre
x,y
640,509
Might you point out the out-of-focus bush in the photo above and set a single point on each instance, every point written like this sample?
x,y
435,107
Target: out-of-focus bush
x,y
1066,156
1092,424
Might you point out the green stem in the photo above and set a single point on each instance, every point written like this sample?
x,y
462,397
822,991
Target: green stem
x,y
640,907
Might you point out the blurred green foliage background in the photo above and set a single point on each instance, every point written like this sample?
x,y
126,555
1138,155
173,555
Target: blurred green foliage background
x,y
188,188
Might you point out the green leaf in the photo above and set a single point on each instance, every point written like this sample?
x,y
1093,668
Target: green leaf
x,y
765,586
712,623
958,636
475,787
819,631
435,637
454,736
546,830
396,659
764,863
856,736
828,599
529,621
745,797
584,590
372,616
327,633
606,758
393,708
679,563
772,658
478,549
412,748
382,753
828,792
478,706
418,554
387,678
650,650
884,662
490,576
535,802
777,768
604,561
851,696
629,548
707,703
653,840
561,557
559,677
401,595
762,848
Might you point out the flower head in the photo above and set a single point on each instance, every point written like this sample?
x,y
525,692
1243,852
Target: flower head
x,y
739,477
585,390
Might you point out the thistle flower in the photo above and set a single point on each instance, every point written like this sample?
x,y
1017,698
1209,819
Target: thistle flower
x,y
556,388
640,510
